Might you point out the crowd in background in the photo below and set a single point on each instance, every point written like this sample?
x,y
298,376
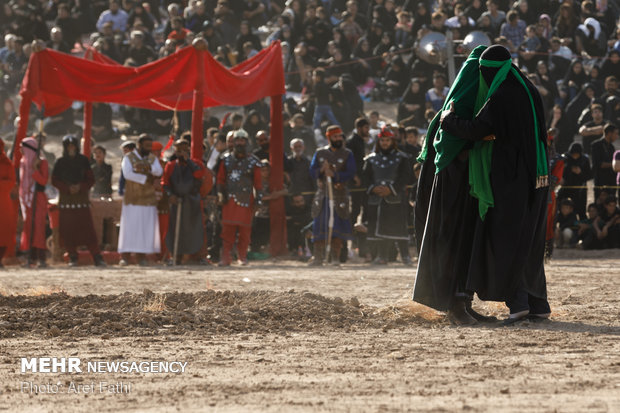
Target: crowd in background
x,y
338,55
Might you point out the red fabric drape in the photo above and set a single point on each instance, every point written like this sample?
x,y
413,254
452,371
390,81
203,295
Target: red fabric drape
x,y
55,79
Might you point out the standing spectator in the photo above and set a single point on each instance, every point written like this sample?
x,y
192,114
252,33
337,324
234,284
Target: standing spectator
x,y
237,177
299,171
575,177
116,15
8,220
102,173
594,129
127,147
139,232
602,158
262,141
73,178
322,107
33,176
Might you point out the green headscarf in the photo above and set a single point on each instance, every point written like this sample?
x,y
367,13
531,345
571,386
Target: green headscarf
x,y
464,93
481,154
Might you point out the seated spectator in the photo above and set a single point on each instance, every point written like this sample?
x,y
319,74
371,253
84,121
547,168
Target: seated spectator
x,y
56,41
513,30
559,58
297,218
607,224
117,16
530,49
576,174
591,41
436,96
566,225
61,124
102,128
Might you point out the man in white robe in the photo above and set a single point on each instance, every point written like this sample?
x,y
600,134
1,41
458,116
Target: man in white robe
x,y
139,231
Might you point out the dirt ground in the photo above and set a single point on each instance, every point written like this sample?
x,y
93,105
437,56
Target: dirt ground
x,y
283,337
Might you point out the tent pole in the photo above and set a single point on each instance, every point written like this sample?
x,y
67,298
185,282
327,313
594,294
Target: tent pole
x,y
277,213
198,100
88,123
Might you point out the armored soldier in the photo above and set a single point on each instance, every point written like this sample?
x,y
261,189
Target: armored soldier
x,y
385,174
337,162
237,177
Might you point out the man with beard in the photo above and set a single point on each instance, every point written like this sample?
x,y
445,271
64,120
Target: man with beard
x,y
298,171
73,178
262,141
356,143
181,182
336,162
508,178
385,174
139,232
237,177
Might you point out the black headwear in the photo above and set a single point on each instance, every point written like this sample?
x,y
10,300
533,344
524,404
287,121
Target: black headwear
x,y
575,147
68,140
497,53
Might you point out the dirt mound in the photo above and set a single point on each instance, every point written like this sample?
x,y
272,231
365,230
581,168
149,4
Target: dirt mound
x,y
131,314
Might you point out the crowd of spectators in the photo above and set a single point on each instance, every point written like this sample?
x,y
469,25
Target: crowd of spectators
x,y
339,54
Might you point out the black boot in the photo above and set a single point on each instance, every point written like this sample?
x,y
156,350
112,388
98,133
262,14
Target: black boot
x,y
73,260
99,262
458,315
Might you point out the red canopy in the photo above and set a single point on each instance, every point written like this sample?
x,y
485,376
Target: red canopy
x,y
190,79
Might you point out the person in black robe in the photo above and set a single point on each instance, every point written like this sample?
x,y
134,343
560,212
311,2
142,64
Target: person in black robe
x,y
507,253
73,178
386,174
181,182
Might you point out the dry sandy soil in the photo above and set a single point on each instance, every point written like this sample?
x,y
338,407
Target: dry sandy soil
x,y
283,337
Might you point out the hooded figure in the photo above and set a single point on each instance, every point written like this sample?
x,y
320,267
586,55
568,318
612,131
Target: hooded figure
x,y
73,177
508,177
444,210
